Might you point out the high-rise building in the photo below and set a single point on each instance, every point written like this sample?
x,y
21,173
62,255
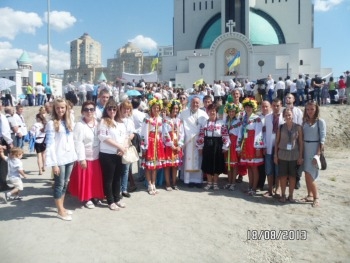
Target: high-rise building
x,y
85,52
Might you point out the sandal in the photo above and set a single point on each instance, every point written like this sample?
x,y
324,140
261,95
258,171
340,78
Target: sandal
x,y
291,199
150,190
315,203
155,189
282,199
176,188
168,188
252,192
307,199
208,187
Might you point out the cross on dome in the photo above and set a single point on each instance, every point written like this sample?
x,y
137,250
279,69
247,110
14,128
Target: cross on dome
x,y
231,26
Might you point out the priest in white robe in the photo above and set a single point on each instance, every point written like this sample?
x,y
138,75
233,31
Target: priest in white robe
x,y
192,118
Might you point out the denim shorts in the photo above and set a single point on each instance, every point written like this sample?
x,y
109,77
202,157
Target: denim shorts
x,y
271,169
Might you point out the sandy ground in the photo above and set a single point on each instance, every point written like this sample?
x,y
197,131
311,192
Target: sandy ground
x,y
190,225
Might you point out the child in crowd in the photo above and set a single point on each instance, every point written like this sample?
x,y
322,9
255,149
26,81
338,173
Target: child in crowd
x,y
15,171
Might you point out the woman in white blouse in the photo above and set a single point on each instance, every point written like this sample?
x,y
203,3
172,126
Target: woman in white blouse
x,y
86,180
126,116
113,144
60,153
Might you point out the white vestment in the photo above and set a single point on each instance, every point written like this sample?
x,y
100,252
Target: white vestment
x,y
192,160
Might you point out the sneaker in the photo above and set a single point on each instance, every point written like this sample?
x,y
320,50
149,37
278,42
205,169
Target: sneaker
x,y
113,207
120,204
17,197
89,204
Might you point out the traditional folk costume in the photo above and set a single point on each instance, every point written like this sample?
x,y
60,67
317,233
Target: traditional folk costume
x,y
192,160
231,156
152,143
213,138
251,138
173,136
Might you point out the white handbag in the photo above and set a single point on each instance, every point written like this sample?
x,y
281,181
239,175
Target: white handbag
x,y
130,156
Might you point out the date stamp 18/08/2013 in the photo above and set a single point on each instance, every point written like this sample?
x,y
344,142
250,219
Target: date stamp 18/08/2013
x,y
276,234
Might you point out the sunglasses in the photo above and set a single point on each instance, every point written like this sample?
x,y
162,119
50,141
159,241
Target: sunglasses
x,y
112,109
182,98
89,109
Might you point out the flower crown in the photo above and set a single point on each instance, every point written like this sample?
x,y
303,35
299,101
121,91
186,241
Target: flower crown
x,y
155,101
172,103
250,102
230,107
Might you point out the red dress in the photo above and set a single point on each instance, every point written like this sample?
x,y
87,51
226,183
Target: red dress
x,y
152,143
173,134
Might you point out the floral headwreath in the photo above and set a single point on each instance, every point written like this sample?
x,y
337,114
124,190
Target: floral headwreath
x,y
172,103
156,101
250,102
230,107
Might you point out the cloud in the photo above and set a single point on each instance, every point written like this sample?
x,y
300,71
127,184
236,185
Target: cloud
x,y
60,20
144,43
326,5
14,22
59,60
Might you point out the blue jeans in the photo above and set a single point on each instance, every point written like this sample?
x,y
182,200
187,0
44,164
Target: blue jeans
x,y
300,93
271,169
270,95
41,98
317,95
125,176
61,180
18,142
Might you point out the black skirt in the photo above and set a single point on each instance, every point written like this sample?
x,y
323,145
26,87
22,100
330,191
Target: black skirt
x,y
40,147
213,161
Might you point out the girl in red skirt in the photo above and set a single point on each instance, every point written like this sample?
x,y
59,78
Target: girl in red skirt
x,y
152,144
251,143
173,137
234,124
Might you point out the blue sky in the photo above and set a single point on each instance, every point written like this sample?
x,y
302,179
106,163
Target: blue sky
x,y
148,23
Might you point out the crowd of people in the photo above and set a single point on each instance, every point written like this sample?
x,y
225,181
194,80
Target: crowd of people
x,y
175,136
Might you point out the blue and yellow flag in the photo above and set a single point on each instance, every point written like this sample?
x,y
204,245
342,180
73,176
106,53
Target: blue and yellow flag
x,y
236,60
154,62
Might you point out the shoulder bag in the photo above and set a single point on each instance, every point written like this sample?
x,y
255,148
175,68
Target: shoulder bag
x,y
322,157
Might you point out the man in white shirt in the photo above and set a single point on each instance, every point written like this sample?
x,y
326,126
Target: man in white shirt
x,y
280,88
103,98
217,90
82,93
22,128
270,83
271,123
5,140
40,93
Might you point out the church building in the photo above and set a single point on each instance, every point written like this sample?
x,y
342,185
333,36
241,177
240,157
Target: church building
x,y
225,39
